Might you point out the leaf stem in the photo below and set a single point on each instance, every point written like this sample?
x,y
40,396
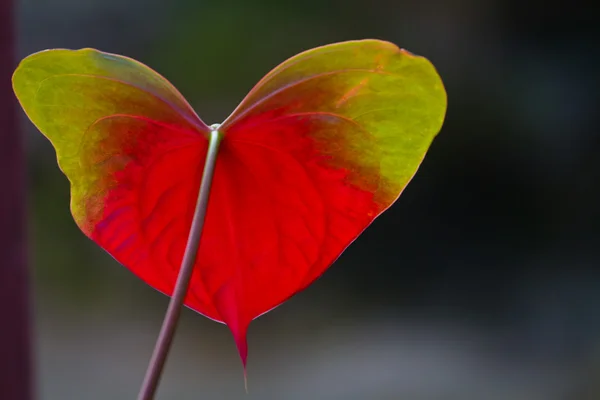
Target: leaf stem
x,y
167,331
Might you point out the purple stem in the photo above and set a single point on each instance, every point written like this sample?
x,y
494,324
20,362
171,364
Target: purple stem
x,y
167,331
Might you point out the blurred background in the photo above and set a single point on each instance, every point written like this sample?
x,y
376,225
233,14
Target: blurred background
x,y
481,283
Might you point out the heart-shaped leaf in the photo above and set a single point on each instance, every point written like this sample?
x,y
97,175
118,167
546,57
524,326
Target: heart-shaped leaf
x,y
321,146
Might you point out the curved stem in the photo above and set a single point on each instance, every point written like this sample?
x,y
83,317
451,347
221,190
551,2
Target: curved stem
x,y
167,331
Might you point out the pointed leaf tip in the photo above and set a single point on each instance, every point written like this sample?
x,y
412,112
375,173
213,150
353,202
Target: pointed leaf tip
x,y
231,311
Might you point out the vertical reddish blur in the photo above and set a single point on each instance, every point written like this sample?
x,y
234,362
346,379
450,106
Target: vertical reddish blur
x,y
15,366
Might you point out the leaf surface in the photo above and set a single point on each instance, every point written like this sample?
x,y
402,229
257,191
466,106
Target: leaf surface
x,y
319,148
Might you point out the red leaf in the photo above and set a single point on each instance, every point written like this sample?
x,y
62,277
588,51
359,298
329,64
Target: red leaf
x,y
318,149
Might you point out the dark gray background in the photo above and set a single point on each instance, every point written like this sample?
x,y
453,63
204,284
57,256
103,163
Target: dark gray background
x,y
482,282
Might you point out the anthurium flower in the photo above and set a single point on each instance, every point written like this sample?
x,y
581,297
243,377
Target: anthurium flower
x,y
317,150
